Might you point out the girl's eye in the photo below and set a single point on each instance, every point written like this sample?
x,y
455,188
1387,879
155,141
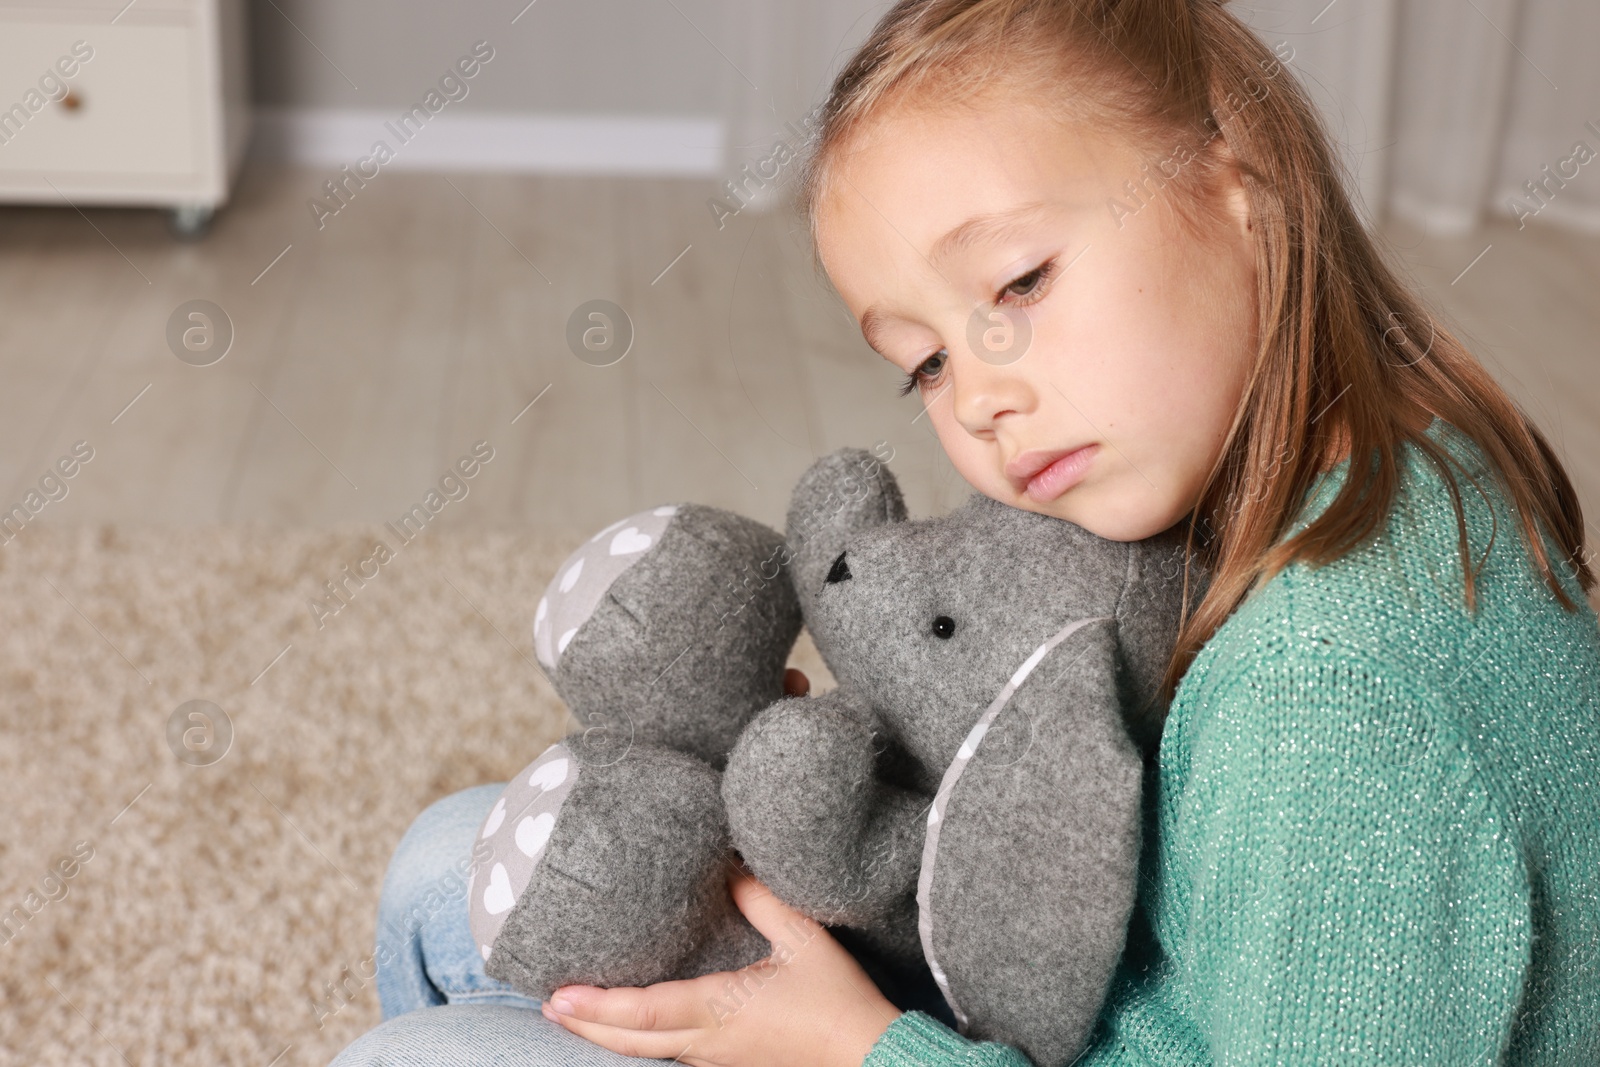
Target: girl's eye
x,y
1030,287
1026,289
920,375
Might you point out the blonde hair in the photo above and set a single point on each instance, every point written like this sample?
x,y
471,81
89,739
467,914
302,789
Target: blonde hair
x,y
1336,324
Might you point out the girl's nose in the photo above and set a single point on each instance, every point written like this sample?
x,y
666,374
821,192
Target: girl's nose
x,y
982,391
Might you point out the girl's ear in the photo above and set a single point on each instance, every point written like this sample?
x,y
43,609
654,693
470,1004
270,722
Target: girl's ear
x,y
1235,197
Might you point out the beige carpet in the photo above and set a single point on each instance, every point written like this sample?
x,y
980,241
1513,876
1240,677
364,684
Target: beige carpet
x,y
214,911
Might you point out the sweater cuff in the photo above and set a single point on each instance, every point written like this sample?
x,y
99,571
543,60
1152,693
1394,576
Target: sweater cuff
x,y
916,1039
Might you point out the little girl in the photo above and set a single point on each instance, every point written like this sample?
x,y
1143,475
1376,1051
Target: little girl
x,y
1374,807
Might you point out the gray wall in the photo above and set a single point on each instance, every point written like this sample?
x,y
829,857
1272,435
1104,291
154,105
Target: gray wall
x,y
565,56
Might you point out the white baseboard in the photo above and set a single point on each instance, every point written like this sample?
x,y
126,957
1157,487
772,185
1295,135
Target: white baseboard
x,y
686,146
1431,218
1564,210
1453,222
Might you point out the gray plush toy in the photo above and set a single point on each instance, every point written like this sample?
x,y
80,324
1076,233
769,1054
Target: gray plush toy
x,y
971,792
607,856
968,796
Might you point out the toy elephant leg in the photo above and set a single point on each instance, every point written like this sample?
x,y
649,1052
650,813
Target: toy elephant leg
x,y
608,871
1031,862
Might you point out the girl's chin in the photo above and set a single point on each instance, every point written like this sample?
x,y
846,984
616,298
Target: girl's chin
x,y
1112,520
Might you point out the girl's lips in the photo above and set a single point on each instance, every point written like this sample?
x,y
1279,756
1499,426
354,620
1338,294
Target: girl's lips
x,y
1061,475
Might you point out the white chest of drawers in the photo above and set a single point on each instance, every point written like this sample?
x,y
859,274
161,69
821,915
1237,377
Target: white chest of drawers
x,y
110,102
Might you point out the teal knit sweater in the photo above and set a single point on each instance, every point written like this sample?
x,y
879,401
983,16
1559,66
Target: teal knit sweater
x,y
1373,827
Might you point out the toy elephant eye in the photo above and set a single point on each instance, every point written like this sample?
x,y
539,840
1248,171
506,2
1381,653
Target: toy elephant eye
x,y
944,626
840,571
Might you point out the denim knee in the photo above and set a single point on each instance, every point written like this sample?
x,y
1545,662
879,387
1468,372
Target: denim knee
x,y
433,862
478,1035
424,901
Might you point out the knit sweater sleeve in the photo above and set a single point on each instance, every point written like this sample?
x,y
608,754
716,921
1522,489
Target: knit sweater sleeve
x,y
1347,889
918,1040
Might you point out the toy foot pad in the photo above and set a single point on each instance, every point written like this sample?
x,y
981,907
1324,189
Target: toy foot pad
x,y
517,829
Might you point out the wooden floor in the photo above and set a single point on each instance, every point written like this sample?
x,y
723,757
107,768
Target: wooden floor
x,y
432,310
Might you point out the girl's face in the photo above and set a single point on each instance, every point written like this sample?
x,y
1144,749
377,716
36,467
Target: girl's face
x,y
1046,310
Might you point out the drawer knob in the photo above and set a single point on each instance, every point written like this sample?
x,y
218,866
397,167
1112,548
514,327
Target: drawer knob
x,y
72,101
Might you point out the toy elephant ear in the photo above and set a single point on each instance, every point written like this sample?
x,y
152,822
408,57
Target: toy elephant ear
x,y
841,494
1048,789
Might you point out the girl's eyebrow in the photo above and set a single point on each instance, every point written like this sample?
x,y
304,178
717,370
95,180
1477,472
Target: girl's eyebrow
x,y
872,327
987,227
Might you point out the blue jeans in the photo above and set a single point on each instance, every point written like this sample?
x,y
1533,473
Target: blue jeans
x,y
439,1007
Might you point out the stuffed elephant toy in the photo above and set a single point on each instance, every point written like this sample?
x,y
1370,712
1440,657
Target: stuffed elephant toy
x,y
970,793
967,800
663,633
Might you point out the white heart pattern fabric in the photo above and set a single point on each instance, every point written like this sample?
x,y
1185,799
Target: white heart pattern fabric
x,y
601,535
629,541
533,832
570,578
548,775
496,817
498,898
518,830
583,579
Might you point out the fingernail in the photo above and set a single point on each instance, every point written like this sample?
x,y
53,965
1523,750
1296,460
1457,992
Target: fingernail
x,y
561,1004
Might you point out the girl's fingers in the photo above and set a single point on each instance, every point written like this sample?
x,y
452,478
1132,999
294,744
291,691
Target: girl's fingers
x,y
772,918
644,1044
665,1006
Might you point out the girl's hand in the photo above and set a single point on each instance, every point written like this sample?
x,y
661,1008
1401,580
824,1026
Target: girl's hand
x,y
809,1004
